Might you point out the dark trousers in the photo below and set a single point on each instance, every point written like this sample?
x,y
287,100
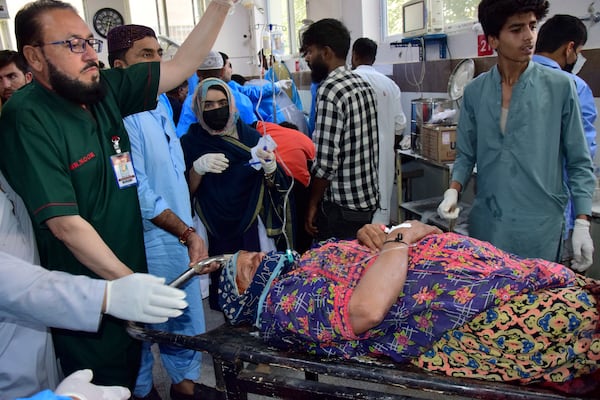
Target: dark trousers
x,y
339,222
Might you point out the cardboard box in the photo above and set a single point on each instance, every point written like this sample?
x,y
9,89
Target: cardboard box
x,y
438,142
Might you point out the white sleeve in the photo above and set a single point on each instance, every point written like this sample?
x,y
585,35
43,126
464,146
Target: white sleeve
x,y
33,294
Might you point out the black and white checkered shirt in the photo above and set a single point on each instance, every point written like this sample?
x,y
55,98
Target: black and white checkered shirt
x,y
346,140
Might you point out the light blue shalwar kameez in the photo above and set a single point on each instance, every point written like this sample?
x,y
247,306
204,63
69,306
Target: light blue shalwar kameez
x,y
159,166
589,113
521,194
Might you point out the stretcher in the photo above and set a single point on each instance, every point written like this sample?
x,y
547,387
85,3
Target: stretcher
x,y
244,363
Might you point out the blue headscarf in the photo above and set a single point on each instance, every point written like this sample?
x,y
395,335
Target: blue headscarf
x,y
240,308
200,96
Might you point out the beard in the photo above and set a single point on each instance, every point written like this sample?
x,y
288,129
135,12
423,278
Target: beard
x,y
74,90
318,70
569,67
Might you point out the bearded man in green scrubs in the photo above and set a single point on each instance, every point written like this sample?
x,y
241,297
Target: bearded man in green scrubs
x,y
65,150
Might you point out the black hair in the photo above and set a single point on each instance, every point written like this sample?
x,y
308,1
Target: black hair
x,y
8,57
225,58
209,73
239,79
330,33
493,14
289,125
558,30
176,89
28,29
365,50
219,88
116,55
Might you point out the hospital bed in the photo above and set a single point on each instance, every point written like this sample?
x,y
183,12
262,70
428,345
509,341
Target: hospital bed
x,y
244,363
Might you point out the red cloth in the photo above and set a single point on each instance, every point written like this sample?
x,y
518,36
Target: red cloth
x,y
293,148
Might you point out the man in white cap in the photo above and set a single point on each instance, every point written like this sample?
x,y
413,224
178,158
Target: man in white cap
x,y
212,67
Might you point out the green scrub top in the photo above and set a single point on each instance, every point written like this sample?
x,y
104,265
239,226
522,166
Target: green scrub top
x,y
521,194
56,155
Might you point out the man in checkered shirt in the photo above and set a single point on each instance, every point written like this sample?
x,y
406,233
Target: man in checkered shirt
x,y
344,188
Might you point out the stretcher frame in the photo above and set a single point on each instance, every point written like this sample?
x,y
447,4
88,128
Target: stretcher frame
x,y
244,363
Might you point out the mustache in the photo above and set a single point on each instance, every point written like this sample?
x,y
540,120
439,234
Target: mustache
x,y
90,64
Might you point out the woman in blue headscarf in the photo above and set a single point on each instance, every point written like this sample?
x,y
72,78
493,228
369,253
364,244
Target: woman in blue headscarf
x,y
237,191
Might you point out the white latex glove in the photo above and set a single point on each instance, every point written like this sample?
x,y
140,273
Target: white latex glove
x,y
284,84
143,298
448,207
211,162
78,385
267,160
583,245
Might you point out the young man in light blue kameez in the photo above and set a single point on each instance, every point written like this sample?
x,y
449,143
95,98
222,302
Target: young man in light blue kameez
x,y
170,241
520,122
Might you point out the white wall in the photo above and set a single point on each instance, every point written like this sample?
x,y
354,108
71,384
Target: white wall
x,y
464,44
91,6
319,9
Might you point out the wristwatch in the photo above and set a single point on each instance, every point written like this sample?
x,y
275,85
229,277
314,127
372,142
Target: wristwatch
x,y
183,238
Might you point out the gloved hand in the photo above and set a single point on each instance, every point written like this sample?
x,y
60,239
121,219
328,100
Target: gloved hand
x,y
143,298
79,385
283,84
448,207
583,246
267,160
211,162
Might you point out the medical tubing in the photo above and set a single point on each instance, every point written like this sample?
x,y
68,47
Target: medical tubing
x,y
396,241
264,128
265,34
286,197
381,252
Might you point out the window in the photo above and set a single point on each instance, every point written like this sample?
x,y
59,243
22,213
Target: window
x,y
174,18
7,27
287,15
456,12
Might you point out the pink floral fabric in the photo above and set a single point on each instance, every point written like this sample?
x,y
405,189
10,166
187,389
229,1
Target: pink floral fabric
x,y
451,279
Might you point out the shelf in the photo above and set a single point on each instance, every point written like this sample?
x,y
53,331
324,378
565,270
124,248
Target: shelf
x,y
426,211
441,39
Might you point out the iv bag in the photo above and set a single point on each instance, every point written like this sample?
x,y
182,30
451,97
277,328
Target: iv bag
x,y
266,44
278,43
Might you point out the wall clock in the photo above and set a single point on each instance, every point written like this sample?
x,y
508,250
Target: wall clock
x,y
105,19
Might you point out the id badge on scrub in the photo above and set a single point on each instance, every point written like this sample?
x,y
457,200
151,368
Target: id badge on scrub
x,y
123,168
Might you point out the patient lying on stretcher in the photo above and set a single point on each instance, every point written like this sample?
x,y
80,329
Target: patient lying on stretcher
x,y
443,302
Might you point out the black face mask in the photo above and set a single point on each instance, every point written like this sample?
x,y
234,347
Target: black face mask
x,y
217,118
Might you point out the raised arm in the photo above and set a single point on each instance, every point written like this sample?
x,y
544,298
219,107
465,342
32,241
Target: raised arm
x,y
383,282
195,47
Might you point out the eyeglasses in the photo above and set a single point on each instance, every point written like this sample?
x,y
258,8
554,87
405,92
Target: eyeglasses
x,y
78,45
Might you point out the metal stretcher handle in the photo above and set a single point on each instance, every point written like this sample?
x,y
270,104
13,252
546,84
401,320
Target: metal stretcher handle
x,y
198,269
